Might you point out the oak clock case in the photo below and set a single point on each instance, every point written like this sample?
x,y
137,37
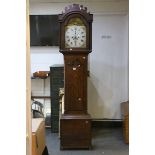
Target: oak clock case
x,y
75,45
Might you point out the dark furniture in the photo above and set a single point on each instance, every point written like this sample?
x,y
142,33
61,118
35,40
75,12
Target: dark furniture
x,y
56,82
75,45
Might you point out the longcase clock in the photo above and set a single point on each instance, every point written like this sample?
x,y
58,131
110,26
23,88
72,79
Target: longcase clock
x,y
75,45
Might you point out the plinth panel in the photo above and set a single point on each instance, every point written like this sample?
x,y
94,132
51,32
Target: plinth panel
x,y
75,132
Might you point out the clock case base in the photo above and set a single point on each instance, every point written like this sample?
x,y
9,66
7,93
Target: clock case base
x,y
75,132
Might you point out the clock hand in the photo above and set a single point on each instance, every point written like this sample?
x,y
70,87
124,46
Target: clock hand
x,y
75,36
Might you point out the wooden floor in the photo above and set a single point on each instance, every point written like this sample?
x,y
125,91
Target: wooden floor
x,y
107,141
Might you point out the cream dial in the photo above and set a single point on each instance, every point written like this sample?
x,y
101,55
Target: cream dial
x,y
75,36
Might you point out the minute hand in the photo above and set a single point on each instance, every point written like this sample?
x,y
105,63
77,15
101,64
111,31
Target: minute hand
x,y
75,37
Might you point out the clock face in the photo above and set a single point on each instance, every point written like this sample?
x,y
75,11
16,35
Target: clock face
x,y
75,36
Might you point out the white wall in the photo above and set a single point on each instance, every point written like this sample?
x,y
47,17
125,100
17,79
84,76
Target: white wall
x,y
108,62
44,57
108,82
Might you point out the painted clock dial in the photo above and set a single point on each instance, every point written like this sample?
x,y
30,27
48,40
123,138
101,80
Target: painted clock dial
x,y
75,34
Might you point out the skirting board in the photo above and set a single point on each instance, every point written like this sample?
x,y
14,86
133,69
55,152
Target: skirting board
x,y
107,123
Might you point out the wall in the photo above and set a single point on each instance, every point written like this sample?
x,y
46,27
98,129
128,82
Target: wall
x,y
108,63
108,82
44,57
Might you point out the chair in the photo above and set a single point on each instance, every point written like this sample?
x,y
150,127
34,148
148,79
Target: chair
x,y
37,109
